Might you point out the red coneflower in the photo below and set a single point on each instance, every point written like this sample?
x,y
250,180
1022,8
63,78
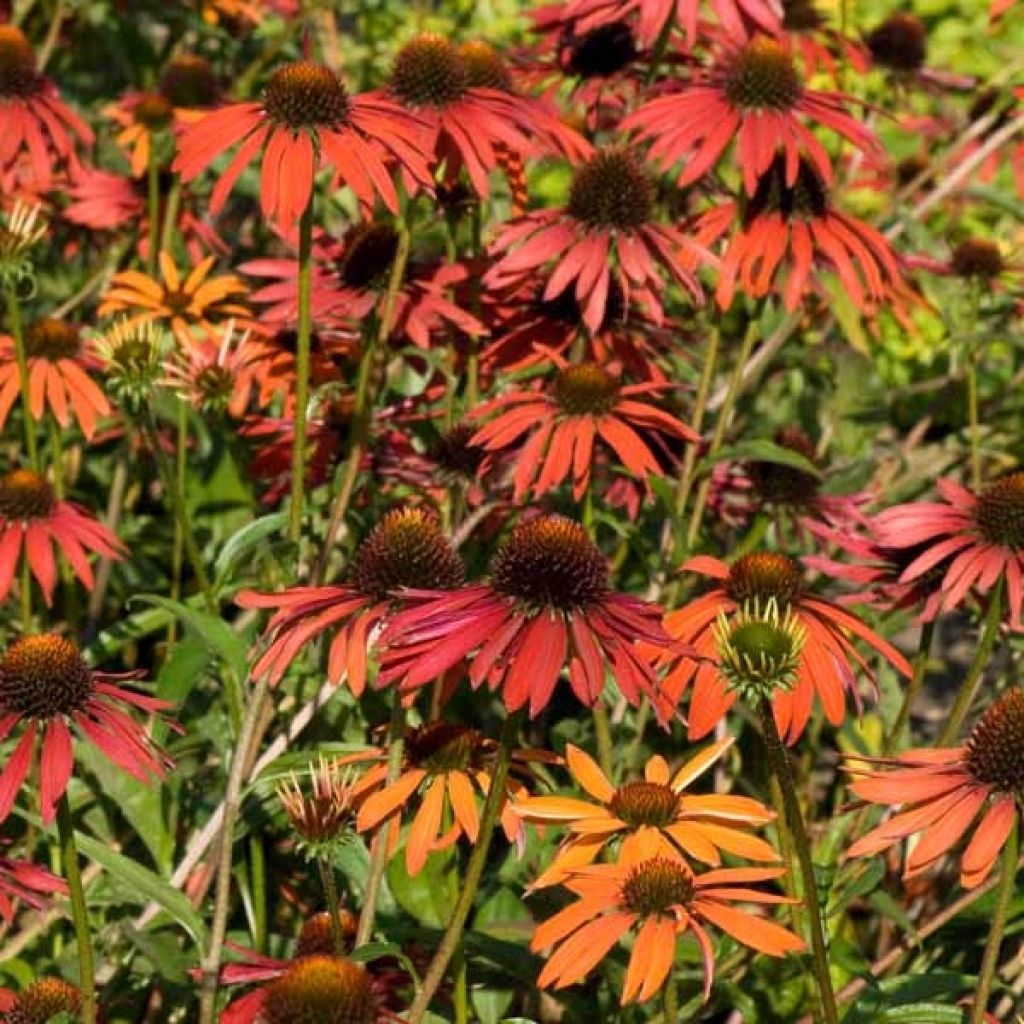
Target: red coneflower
x,y
305,120
606,232
43,1000
979,538
46,686
405,549
657,899
823,49
553,432
791,223
59,360
34,121
33,522
23,882
944,791
753,94
826,661
548,606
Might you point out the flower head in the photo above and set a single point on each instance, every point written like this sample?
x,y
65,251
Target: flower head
x,y
20,230
216,377
320,989
324,815
132,354
898,43
44,1000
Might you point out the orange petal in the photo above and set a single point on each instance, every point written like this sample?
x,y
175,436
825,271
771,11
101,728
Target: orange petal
x,y
425,826
556,808
700,763
756,932
383,804
656,770
991,834
587,773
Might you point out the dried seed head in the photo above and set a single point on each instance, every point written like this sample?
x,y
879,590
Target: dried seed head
x,y
585,390
995,747
641,804
1000,511
320,990
762,76
657,885
429,72
612,189
43,676
306,95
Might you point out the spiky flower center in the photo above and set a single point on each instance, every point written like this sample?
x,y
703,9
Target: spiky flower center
x,y
52,340
153,111
801,16
406,549
215,386
429,72
977,258
42,676
898,43
657,885
367,256
550,562
612,190
1000,511
306,95
762,76
601,52
320,990
320,808
189,81
485,68
644,803
25,495
760,648
316,936
763,575
442,746
781,484
454,454
18,75
995,747
807,197
43,1000
585,390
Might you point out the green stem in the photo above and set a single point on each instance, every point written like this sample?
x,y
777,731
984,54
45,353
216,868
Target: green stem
x,y
924,647
25,594
153,197
990,959
180,477
778,759
974,421
975,673
170,213
603,731
79,910
14,312
671,997
786,849
474,873
333,903
304,334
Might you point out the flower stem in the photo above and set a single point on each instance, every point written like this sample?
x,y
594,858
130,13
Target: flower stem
x,y
14,313
304,333
180,480
79,910
153,197
671,1000
924,647
974,422
474,873
603,731
25,593
990,959
333,904
975,673
778,760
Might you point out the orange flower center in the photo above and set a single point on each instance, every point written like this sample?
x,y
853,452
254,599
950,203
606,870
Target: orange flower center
x,y
441,747
316,936
306,95
550,562
762,76
453,453
189,81
42,676
601,52
644,803
898,43
779,484
153,111
801,16
406,549
320,990
806,197
368,255
44,1000
177,300
1000,511
762,575
24,495
18,75
657,885
995,748
585,390
485,68
612,190
52,340
429,72
977,258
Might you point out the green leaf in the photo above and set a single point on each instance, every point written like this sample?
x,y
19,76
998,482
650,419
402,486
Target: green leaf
x,y
759,450
425,895
243,541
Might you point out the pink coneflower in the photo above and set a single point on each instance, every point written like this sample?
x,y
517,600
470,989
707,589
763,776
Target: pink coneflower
x,y
45,687
24,882
978,537
215,376
607,232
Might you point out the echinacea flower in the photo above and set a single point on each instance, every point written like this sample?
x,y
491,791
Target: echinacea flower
x,y
306,120
24,882
321,813
654,809
788,231
215,377
195,302
822,49
553,432
446,772
34,120
899,43
33,523
827,660
405,549
977,261
132,353
548,607
607,232
655,899
979,538
946,793
59,360
45,688
43,1000
754,95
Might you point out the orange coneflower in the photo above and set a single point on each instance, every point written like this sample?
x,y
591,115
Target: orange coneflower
x,y
656,808
59,360
197,301
944,791
215,376
43,1000
658,899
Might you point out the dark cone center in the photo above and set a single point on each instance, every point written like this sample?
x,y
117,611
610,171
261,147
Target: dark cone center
x,y
977,258
52,339
779,484
807,197
612,190
43,1000
316,936
25,495
644,803
306,95
454,454
599,53
18,75
657,885
429,72
898,43
995,748
762,76
368,255
485,68
189,81
320,990
152,110
801,16
1000,512
442,747
763,575
43,676
585,390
